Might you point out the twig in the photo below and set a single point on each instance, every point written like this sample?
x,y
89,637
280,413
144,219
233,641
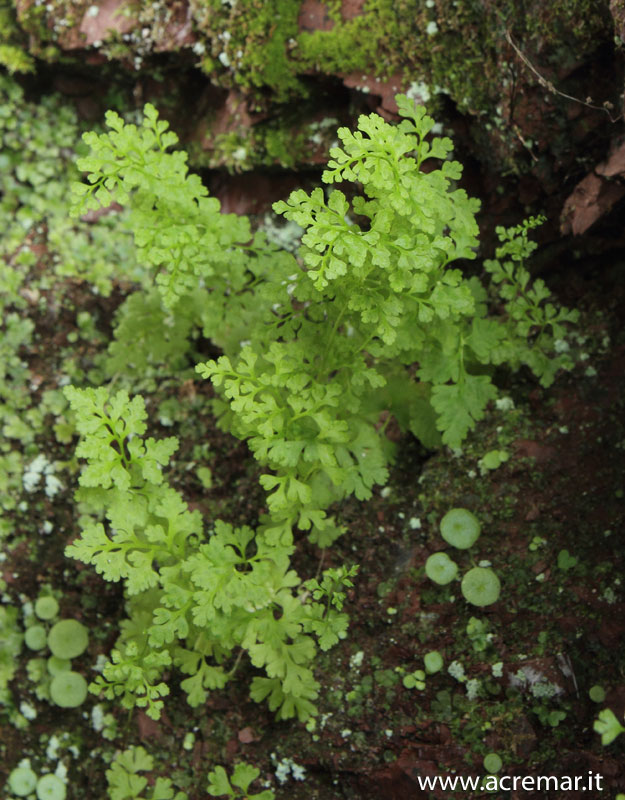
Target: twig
x,y
547,84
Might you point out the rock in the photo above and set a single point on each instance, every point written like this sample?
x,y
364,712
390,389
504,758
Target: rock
x,y
103,18
596,194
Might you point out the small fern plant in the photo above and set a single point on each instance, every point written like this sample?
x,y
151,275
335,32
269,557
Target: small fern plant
x,y
236,787
126,783
193,599
373,316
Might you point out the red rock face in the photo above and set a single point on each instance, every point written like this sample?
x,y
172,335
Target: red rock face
x,y
602,188
178,31
252,193
596,194
378,87
313,16
617,9
352,8
96,27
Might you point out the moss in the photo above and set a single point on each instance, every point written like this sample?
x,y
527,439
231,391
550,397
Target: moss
x,y
13,56
453,48
346,48
381,40
46,23
286,142
284,146
455,45
251,41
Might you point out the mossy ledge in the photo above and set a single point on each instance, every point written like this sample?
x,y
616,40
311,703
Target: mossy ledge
x,y
270,54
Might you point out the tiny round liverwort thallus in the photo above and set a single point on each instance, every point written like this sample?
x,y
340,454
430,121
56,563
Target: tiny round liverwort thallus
x,y
68,689
50,787
440,568
22,781
68,638
46,608
492,763
56,665
597,694
433,662
480,586
35,637
460,528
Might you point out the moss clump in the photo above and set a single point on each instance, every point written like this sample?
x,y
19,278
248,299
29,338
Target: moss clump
x,y
13,56
452,47
252,45
455,45
288,142
45,24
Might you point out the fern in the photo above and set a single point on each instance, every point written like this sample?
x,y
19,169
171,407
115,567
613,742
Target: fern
x,y
193,598
220,785
126,783
374,316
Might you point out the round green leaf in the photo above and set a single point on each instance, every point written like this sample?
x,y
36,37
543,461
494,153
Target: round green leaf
x,y
480,586
35,637
68,638
68,689
597,694
46,608
49,787
433,662
440,568
492,763
56,665
460,528
22,781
